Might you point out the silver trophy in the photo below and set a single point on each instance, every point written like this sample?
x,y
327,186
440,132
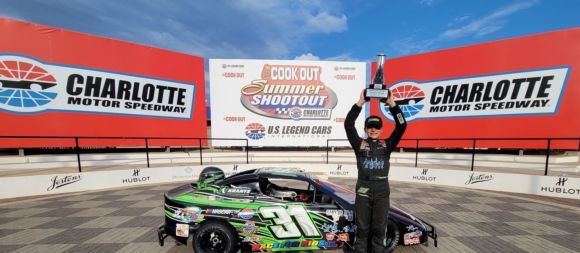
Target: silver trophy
x,y
377,88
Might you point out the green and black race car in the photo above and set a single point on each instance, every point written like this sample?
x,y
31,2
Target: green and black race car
x,y
273,209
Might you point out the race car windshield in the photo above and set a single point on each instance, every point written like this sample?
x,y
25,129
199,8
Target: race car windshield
x,y
339,191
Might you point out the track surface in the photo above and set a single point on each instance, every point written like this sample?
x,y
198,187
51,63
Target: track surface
x,y
123,220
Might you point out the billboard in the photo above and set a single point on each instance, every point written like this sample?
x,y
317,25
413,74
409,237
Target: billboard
x,y
283,103
524,87
55,82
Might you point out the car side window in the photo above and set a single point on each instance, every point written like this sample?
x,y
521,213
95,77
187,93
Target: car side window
x,y
287,189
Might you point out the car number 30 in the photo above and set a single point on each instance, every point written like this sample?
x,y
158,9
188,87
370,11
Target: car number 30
x,y
284,226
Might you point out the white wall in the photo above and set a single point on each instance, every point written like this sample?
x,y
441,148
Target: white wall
x,y
562,187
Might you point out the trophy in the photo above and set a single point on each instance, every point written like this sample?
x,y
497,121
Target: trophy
x,y
377,89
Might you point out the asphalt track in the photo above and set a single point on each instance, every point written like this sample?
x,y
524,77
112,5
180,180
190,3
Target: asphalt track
x,y
123,220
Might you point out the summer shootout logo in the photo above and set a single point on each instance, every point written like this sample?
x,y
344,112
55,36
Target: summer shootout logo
x,y
31,86
530,92
289,92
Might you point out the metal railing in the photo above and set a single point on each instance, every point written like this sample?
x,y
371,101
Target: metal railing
x,y
473,147
78,152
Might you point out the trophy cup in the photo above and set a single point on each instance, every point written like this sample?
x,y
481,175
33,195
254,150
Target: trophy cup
x,y
377,89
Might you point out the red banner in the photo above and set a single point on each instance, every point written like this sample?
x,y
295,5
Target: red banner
x,y
55,82
524,87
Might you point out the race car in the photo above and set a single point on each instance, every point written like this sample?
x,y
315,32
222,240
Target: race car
x,y
273,209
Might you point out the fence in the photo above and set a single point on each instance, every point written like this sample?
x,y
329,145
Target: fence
x,y
473,146
146,140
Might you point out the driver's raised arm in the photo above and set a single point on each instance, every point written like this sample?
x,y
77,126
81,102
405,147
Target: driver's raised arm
x,y
351,133
400,125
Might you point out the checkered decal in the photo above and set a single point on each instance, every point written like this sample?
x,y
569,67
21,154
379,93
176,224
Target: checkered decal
x,y
282,110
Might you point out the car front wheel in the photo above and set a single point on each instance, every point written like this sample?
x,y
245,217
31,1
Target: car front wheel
x,y
214,237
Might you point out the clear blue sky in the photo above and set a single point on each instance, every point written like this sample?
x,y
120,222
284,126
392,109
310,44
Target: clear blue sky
x,y
326,29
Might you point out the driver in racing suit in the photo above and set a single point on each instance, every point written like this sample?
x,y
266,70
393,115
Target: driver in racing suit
x,y
372,187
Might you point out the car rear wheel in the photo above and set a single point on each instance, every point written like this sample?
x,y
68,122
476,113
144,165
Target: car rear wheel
x,y
393,236
214,237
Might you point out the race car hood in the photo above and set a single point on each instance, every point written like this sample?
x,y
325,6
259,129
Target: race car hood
x,y
181,190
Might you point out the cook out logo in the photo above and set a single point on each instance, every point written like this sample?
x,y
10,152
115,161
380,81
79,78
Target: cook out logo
x,y
289,92
530,92
30,86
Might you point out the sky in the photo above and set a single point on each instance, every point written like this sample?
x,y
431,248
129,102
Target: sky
x,y
333,30
354,30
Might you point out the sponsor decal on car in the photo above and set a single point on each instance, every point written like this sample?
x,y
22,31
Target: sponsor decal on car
x,y
251,239
329,236
189,214
411,228
329,227
235,191
337,213
412,238
249,228
182,230
294,244
222,211
343,237
246,214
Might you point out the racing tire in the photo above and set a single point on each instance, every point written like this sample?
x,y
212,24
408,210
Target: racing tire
x,y
215,237
393,236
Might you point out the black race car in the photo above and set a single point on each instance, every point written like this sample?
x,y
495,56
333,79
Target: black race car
x,y
273,209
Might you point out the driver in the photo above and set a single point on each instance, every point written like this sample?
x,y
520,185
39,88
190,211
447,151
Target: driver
x,y
372,186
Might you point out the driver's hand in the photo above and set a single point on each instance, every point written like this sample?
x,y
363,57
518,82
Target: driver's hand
x,y
361,100
391,100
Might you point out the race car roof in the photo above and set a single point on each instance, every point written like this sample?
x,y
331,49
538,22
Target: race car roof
x,y
270,172
295,172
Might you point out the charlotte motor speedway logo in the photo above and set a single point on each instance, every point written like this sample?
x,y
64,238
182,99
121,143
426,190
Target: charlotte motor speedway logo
x,y
289,92
30,86
518,93
25,85
255,131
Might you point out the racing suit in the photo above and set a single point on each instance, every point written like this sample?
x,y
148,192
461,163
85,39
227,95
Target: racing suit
x,y
372,187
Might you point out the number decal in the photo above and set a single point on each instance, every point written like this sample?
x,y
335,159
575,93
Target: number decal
x,y
299,213
284,226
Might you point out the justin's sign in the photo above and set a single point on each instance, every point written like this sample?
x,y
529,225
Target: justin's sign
x,y
519,93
